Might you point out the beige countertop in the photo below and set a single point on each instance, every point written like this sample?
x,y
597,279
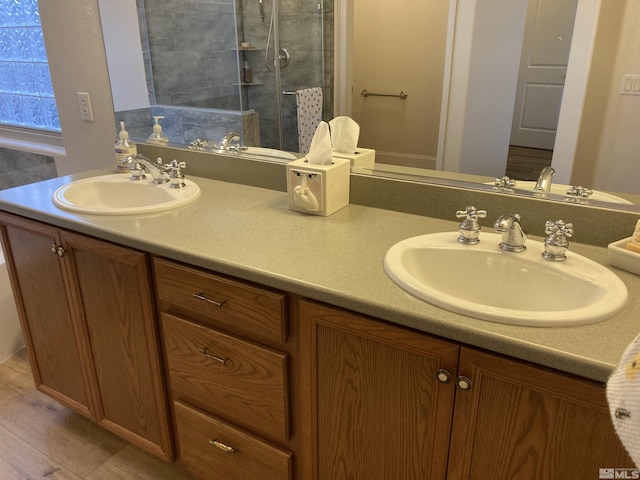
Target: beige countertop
x,y
248,232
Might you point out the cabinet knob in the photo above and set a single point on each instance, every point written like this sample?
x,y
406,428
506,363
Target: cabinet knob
x,y
54,248
463,383
443,376
60,251
223,446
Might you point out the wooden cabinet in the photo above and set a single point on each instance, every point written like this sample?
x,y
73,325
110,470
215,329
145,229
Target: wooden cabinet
x,y
379,409
88,317
522,421
227,351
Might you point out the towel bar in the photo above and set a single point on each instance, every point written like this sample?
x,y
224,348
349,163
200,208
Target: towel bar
x,y
366,93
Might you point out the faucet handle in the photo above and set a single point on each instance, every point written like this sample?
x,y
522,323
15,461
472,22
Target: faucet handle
x,y
504,182
579,191
557,241
175,173
470,227
471,213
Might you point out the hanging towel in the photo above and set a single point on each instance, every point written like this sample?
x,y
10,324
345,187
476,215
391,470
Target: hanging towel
x,y
309,101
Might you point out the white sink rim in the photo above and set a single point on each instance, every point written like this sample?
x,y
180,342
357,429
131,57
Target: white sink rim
x,y
90,195
612,290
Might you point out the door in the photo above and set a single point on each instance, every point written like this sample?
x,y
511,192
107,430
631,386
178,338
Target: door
x,y
543,67
399,47
112,286
53,333
379,410
516,420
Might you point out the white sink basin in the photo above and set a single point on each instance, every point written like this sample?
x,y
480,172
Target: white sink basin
x,y
117,194
484,282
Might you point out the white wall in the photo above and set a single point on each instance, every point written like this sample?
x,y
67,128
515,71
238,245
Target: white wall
x,y
617,161
75,49
482,87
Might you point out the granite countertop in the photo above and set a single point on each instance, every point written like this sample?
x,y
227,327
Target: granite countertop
x,y
249,233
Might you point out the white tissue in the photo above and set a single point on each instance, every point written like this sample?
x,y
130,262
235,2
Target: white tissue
x,y
344,134
320,151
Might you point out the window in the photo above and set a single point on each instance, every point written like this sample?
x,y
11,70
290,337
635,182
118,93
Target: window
x,y
26,93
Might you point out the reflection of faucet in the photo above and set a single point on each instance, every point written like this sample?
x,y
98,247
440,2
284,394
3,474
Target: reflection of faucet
x,y
135,161
223,144
544,180
513,237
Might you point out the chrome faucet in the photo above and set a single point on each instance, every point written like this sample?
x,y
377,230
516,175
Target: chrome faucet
x,y
470,227
156,170
544,180
513,237
557,241
223,144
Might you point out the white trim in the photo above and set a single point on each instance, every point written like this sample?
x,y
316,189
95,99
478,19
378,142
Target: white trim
x,y
34,141
343,41
575,89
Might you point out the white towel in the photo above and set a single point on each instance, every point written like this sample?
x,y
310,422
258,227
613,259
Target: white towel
x,y
623,395
309,101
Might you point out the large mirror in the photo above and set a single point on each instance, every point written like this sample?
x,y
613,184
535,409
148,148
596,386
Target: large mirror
x,y
166,51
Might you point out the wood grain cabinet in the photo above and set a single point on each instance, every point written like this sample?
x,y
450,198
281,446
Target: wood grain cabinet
x,y
227,351
88,318
388,403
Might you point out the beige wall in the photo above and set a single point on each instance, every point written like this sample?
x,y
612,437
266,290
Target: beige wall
x,y
609,139
75,49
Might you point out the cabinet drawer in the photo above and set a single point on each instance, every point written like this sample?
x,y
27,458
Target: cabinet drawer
x,y
229,377
231,305
212,449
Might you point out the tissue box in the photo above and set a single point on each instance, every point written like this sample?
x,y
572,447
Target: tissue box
x,y
363,157
318,189
622,258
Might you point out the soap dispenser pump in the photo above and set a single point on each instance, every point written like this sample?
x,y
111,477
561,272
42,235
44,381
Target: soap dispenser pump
x,y
158,136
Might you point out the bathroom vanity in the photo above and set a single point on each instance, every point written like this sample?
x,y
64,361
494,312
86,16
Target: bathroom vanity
x,y
245,340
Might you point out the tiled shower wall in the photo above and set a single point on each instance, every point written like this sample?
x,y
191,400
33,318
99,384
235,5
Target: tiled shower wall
x,y
200,38
19,168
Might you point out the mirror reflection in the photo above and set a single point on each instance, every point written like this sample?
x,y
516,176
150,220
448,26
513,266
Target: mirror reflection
x,y
171,52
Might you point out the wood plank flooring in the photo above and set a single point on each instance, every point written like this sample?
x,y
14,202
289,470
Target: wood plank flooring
x,y
525,163
41,439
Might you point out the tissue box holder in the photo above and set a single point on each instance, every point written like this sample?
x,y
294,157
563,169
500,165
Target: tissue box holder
x,y
328,185
363,157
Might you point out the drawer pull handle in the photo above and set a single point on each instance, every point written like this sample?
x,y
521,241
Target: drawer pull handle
x,y
201,296
222,446
206,353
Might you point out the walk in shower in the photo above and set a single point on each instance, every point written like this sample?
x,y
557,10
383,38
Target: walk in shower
x,y
193,57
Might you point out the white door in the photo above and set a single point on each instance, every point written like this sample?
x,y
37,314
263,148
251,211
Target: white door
x,y
399,46
543,66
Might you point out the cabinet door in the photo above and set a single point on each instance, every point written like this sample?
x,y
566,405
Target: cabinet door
x,y
521,421
113,287
54,336
379,411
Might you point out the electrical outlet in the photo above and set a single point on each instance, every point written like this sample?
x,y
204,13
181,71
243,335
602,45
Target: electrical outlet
x,y
630,85
84,103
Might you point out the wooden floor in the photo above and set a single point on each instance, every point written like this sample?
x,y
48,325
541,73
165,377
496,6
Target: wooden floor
x,y
525,163
40,439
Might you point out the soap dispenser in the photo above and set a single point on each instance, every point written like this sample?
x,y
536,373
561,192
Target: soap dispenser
x,y
124,148
158,136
